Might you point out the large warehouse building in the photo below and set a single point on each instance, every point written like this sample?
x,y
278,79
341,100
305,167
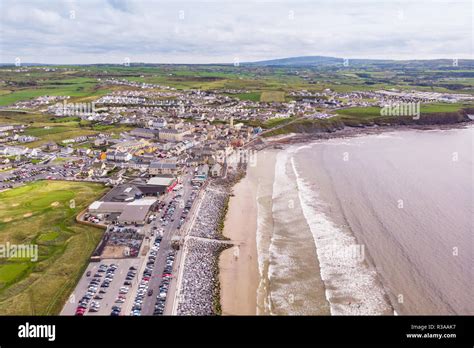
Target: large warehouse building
x,y
134,212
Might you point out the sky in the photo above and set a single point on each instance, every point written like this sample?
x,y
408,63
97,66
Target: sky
x,y
225,31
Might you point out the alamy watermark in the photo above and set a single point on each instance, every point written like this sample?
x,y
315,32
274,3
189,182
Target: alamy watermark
x,y
401,109
19,251
77,109
238,156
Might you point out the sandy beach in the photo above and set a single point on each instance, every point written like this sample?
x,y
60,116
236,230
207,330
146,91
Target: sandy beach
x,y
254,279
239,277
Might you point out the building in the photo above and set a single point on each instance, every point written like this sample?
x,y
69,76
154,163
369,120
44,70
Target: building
x,y
161,184
118,156
162,167
137,211
125,146
216,170
171,134
101,142
134,212
159,123
179,149
144,133
202,170
201,173
6,128
51,147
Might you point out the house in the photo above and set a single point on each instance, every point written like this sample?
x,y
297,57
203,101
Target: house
x,y
130,145
172,134
201,173
101,142
188,144
97,170
50,147
162,167
192,162
6,128
118,156
216,170
5,166
144,133
25,138
66,151
159,123
179,148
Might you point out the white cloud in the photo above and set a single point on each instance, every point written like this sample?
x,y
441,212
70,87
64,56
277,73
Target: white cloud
x,y
218,31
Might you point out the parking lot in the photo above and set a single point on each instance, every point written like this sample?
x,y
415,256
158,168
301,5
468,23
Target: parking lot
x,y
103,287
140,285
172,216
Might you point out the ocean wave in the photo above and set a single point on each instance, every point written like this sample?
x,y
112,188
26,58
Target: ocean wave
x,y
351,285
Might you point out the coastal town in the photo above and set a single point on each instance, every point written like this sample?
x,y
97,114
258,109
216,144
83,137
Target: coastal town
x,y
170,168
188,165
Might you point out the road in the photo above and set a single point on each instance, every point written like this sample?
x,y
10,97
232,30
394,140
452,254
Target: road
x,y
150,231
170,231
178,267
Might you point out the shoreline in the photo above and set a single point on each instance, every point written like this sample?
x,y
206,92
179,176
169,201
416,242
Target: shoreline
x,y
240,274
238,265
349,132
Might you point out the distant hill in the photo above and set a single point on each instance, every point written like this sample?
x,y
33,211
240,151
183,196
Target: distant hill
x,y
309,61
298,61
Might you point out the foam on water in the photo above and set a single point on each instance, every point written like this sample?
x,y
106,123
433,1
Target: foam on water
x,y
277,267
262,252
351,285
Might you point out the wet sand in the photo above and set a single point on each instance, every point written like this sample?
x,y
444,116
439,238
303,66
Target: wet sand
x,y
250,273
238,266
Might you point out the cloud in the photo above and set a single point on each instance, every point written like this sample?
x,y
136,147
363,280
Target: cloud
x,y
203,31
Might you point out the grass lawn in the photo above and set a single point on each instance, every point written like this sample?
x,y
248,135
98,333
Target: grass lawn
x,y
59,128
373,112
251,96
40,213
275,122
76,88
272,96
56,134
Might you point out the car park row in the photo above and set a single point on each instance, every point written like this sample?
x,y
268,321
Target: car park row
x,y
143,288
96,289
164,286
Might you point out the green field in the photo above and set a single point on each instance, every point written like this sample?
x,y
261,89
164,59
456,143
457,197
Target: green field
x,y
251,96
57,129
262,83
75,87
436,113
374,112
40,214
272,96
56,134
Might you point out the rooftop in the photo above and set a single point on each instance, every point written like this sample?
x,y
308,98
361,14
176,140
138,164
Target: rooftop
x,y
160,181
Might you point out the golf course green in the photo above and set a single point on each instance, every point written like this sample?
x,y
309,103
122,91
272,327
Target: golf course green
x,y
43,214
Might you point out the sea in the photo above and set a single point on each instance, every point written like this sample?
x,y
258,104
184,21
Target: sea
x,y
376,224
